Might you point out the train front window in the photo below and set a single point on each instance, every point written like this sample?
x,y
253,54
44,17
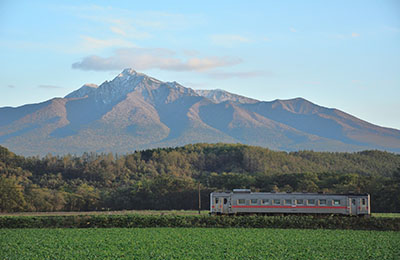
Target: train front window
x,y
241,201
363,201
288,202
277,202
353,202
265,201
216,200
253,201
225,200
300,202
322,202
336,202
311,202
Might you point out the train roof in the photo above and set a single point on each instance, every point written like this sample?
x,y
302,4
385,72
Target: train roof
x,y
245,191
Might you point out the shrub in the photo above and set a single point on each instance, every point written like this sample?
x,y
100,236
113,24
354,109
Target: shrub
x,y
143,221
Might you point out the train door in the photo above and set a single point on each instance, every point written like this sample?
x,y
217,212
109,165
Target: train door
x,y
223,205
364,206
217,205
354,206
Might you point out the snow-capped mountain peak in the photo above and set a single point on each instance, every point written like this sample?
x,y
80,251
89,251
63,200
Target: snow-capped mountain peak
x,y
134,111
113,90
83,91
219,95
127,74
128,71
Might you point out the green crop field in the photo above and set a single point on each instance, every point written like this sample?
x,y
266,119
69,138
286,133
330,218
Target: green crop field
x,y
197,243
386,215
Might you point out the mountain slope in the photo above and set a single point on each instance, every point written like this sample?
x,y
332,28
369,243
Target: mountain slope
x,y
134,111
219,95
328,123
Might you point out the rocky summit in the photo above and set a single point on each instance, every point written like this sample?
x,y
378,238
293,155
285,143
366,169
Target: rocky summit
x,y
136,112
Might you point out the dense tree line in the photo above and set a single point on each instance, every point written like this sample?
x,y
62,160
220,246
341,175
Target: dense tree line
x,y
168,178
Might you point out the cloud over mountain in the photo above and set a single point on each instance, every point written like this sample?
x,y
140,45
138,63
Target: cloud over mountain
x,y
152,58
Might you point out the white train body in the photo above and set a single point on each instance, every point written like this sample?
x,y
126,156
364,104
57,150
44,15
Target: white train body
x,y
242,201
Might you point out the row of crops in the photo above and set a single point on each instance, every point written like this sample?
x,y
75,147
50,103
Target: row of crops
x,y
197,243
141,221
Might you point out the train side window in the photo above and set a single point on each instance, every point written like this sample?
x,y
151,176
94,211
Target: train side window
x,y
363,201
311,202
241,201
336,202
277,202
265,201
225,200
253,201
288,202
216,200
322,202
300,202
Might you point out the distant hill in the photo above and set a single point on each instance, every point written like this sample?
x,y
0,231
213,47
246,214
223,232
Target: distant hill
x,y
136,112
168,178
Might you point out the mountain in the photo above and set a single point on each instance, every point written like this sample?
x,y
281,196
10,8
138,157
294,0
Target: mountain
x,y
219,95
134,112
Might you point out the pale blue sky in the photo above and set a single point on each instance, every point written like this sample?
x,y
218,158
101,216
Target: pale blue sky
x,y
342,54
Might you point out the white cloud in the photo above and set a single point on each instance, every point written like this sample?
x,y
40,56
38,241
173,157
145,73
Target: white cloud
x,y
154,20
346,36
90,43
107,18
118,30
124,28
240,74
293,30
191,53
130,20
152,58
228,39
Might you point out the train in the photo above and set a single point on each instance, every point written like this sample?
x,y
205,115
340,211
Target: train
x,y
243,202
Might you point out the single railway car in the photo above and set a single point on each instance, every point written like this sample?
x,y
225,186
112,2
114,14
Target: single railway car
x,y
243,201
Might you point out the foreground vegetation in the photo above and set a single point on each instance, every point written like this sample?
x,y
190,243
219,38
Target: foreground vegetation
x,y
128,212
386,215
143,212
193,243
163,179
147,221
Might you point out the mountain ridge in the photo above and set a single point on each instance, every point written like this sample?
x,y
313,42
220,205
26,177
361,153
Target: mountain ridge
x,y
134,111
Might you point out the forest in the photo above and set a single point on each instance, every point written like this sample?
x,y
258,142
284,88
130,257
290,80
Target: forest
x,y
169,178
